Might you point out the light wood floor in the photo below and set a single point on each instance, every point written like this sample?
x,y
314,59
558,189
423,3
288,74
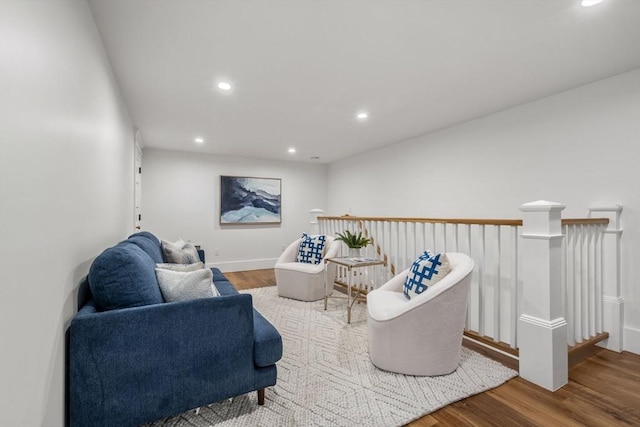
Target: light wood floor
x,y
603,389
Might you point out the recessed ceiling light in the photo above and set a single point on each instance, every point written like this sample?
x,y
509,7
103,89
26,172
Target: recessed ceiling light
x,y
199,140
224,86
587,3
363,115
292,150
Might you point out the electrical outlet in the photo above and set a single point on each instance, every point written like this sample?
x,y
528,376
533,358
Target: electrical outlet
x,y
216,252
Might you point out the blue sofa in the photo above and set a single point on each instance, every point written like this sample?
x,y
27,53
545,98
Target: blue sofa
x,y
134,359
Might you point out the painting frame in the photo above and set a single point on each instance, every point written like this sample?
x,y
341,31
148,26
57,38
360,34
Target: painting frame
x,y
248,200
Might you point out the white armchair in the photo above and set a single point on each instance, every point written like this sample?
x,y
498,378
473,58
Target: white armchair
x,y
301,281
423,335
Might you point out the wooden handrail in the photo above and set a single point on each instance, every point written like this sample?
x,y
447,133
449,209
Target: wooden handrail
x,y
470,221
515,222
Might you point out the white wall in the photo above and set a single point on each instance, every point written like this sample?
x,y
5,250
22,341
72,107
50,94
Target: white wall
x,y
181,198
66,191
579,147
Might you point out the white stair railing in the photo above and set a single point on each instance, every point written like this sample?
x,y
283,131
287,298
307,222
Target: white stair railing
x,y
492,312
612,301
495,299
582,277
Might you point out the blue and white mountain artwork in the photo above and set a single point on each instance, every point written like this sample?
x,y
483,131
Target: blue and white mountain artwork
x,y
249,200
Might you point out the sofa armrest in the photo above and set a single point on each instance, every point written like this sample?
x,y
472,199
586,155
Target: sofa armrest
x,y
169,353
267,348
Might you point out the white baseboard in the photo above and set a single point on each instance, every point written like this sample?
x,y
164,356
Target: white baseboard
x,y
631,340
246,265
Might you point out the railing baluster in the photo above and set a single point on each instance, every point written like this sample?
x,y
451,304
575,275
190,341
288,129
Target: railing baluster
x,y
397,251
577,290
585,267
455,234
470,318
586,300
599,291
444,237
580,290
383,244
569,283
414,254
498,293
515,314
481,294
406,245
591,281
425,244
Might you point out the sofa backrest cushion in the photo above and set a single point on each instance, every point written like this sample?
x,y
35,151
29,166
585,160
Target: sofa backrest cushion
x,y
148,235
148,243
124,276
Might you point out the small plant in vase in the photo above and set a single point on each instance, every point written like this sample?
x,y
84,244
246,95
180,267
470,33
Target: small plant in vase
x,y
355,242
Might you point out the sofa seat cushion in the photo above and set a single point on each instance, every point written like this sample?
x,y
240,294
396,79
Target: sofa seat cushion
x,y
124,276
384,305
301,267
267,343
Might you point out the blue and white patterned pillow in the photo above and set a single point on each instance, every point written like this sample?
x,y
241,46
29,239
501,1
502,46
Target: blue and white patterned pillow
x,y
311,248
425,272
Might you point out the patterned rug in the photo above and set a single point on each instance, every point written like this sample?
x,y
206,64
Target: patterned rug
x,y
325,377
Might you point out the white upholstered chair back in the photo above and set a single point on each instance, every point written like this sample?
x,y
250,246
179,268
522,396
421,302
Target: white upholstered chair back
x,y
301,281
421,336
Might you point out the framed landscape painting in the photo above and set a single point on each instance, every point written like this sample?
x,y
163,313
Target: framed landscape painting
x,y
248,200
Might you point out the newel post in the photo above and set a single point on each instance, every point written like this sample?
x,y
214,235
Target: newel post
x,y
612,302
315,228
542,329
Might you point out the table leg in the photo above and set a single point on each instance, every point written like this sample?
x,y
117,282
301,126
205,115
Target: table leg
x,y
325,286
349,296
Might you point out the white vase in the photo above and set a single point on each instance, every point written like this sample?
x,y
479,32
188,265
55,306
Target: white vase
x,y
354,252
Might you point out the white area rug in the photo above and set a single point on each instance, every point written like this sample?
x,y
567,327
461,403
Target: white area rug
x,y
325,377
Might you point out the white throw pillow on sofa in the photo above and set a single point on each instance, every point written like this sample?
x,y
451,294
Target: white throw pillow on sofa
x,y
181,267
186,285
179,252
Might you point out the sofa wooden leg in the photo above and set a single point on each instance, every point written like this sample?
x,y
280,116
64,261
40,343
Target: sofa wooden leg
x,y
261,396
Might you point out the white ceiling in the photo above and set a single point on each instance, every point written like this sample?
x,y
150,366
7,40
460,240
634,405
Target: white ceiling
x,y
302,69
